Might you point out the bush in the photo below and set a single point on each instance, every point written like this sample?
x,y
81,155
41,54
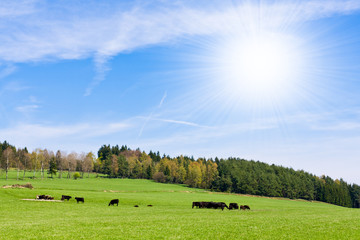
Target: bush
x,y
159,177
76,175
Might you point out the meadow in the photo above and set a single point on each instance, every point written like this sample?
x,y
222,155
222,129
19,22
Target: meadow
x,y
171,216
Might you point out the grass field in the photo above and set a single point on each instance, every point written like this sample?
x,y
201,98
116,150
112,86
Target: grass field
x,y
171,216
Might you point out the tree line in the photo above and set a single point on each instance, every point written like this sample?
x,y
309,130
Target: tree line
x,y
40,160
226,175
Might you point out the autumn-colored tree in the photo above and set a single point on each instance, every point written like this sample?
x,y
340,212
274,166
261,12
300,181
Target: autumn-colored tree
x,y
131,163
41,159
211,173
71,163
59,162
114,165
159,177
145,162
8,156
88,163
19,155
26,162
194,175
34,162
47,155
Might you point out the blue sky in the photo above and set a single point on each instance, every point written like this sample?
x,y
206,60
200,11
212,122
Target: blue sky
x,y
274,81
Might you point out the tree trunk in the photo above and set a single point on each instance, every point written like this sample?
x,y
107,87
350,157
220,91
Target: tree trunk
x,y
7,166
42,170
24,170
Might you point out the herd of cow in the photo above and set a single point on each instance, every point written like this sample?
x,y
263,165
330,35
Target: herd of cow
x,y
214,205
78,199
221,205
63,197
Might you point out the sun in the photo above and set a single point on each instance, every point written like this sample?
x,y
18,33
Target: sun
x,y
262,67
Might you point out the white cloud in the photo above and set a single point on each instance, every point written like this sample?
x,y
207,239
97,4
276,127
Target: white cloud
x,y
326,8
178,122
7,70
162,100
40,135
16,8
12,87
27,108
41,32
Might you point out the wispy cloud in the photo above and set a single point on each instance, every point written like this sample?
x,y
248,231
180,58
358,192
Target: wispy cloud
x,y
6,70
11,9
326,8
147,119
178,122
34,135
162,100
101,66
27,108
12,87
42,32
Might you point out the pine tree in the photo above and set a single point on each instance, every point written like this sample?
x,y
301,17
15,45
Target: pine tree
x,y
52,166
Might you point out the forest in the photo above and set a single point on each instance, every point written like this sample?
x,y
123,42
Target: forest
x,y
233,175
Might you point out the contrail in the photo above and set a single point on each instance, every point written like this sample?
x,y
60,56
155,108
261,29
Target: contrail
x,y
150,115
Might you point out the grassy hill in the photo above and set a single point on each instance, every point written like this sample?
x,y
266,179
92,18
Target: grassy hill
x,y
171,216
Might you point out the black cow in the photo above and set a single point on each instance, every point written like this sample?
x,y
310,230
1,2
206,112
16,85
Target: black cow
x,y
63,197
244,207
214,205
221,205
79,199
233,206
205,204
45,197
40,197
196,204
114,201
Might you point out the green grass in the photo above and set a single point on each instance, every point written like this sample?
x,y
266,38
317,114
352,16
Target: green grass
x,y
171,216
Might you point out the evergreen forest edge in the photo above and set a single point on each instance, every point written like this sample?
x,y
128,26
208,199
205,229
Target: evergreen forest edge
x,y
233,175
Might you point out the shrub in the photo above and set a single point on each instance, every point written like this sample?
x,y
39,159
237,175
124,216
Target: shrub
x,y
76,175
159,177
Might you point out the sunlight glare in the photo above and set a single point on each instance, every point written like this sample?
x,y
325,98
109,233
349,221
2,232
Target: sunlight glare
x,y
258,68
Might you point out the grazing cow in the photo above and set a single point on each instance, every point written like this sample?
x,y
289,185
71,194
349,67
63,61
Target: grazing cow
x,y
114,201
149,205
79,199
205,204
196,204
136,206
63,197
233,206
244,207
44,197
221,205
40,197
214,205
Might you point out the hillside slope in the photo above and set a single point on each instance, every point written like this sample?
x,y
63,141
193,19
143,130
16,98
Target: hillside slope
x,y
170,217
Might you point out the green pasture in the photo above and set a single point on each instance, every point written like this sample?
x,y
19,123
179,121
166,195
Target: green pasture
x,y
171,216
